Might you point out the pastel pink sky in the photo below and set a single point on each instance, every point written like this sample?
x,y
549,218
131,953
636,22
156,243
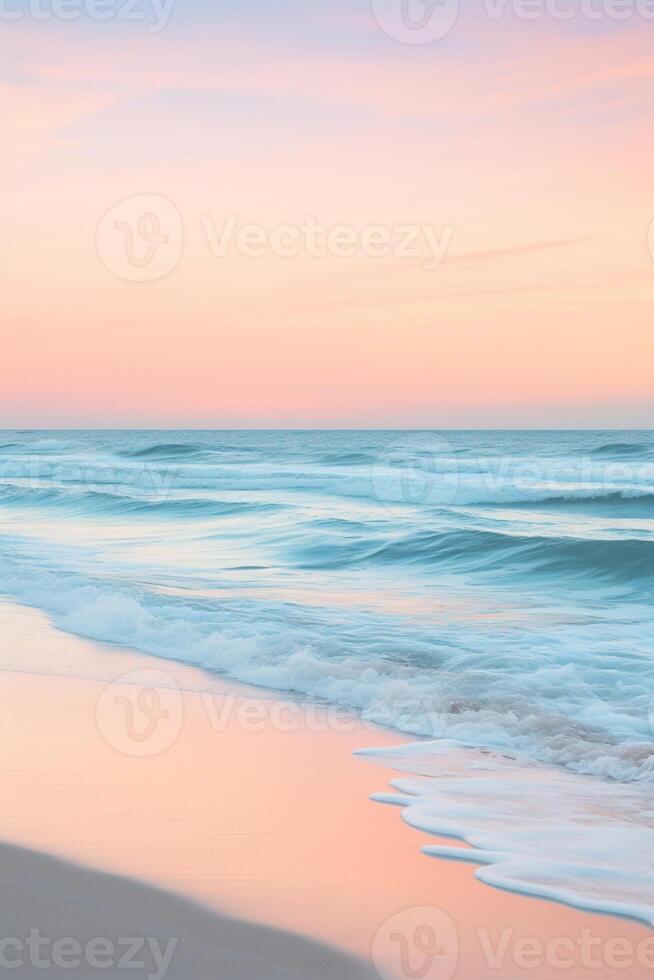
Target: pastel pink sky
x,y
531,141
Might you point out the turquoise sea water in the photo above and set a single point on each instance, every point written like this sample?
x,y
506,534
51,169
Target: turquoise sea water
x,y
490,589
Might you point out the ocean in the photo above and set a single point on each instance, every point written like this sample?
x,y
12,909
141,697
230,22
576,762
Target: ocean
x,y
489,592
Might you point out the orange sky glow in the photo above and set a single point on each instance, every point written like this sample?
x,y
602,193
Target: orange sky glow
x,y
525,147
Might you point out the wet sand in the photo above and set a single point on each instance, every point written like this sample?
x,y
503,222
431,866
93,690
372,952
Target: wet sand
x,y
257,808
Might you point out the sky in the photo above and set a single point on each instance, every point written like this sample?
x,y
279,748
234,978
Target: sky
x,y
275,213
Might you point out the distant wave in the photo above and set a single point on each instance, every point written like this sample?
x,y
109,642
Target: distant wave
x,y
622,449
626,560
163,451
34,443
98,503
184,451
619,503
387,487
346,459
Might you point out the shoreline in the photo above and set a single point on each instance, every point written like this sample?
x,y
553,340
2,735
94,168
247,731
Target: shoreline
x,y
267,822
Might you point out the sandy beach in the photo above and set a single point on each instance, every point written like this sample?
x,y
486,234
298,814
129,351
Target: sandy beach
x,y
58,918
253,807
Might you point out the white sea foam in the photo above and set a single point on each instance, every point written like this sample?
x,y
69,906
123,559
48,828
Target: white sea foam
x,y
533,829
394,672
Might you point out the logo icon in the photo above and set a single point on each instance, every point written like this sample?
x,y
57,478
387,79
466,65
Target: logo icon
x,y
420,469
416,21
140,713
141,238
417,944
